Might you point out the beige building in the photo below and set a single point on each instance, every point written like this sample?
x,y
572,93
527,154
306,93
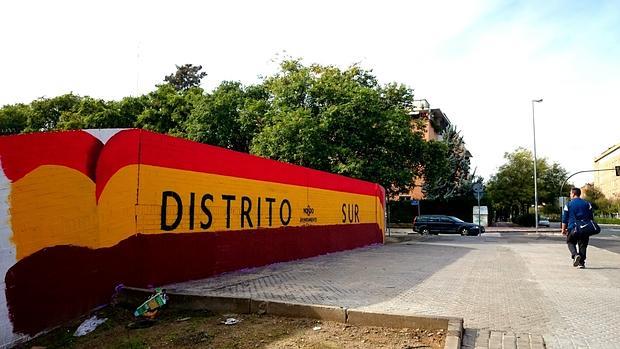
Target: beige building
x,y
435,122
607,181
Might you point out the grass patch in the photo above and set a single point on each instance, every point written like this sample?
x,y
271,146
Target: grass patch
x,y
132,343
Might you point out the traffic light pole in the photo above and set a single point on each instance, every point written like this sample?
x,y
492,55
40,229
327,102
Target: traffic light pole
x,y
617,169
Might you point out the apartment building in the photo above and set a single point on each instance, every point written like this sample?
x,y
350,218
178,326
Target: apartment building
x,y
607,181
435,123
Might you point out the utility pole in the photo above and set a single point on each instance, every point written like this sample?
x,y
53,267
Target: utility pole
x,y
535,177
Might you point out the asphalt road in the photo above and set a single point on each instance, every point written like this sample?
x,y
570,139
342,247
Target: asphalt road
x,y
608,239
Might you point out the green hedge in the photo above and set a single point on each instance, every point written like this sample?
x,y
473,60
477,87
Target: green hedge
x,y
608,220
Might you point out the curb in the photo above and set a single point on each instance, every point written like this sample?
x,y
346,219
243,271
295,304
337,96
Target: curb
x,y
222,304
455,334
319,312
362,318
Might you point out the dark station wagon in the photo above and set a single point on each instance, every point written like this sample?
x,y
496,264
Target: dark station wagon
x,y
435,224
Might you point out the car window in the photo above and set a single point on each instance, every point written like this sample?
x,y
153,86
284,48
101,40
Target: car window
x,y
446,220
456,219
433,219
422,219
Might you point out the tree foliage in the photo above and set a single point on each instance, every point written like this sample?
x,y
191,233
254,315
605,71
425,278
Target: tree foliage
x,y
187,76
167,109
602,205
46,112
14,118
447,171
68,112
511,189
229,117
341,121
595,196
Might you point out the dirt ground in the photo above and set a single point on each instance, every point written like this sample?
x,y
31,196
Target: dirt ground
x,y
202,329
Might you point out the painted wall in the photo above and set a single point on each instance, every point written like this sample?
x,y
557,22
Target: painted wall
x,y
79,217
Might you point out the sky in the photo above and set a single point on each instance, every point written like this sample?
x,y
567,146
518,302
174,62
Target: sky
x,y
480,61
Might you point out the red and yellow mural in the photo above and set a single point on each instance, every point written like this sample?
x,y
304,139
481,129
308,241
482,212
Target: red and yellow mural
x,y
147,209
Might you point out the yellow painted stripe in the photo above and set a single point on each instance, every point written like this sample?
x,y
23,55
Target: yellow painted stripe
x,y
55,205
308,206
52,205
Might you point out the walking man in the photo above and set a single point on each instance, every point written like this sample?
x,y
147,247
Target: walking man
x,y
576,210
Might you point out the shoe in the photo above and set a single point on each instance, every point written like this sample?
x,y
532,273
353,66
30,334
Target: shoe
x,y
582,266
576,261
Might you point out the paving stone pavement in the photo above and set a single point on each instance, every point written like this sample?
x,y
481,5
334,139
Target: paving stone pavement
x,y
485,339
506,286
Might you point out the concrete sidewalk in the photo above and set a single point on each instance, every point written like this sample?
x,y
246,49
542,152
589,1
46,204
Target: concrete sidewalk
x,y
515,283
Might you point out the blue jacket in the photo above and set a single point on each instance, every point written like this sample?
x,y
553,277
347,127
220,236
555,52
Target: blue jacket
x,y
577,209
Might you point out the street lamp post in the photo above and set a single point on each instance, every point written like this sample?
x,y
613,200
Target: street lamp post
x,y
535,179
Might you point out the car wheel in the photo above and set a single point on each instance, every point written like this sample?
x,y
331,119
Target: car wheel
x,y
464,231
425,231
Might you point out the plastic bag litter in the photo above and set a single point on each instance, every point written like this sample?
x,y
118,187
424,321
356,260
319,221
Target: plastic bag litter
x,y
316,328
88,326
230,321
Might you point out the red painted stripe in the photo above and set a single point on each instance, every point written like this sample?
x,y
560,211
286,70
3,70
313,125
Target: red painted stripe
x,y
20,154
166,151
64,282
120,150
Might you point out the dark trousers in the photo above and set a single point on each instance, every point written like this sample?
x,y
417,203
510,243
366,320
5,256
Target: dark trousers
x,y
573,239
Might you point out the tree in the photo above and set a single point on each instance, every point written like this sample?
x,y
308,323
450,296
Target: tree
x,y
511,189
186,77
14,118
126,112
595,196
83,114
341,121
252,116
550,180
614,206
46,112
448,174
436,171
229,117
166,110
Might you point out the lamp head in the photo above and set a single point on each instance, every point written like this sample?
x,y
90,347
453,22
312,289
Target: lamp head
x,y
537,100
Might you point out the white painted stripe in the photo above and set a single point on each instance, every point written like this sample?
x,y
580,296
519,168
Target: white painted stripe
x,y
103,134
7,260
